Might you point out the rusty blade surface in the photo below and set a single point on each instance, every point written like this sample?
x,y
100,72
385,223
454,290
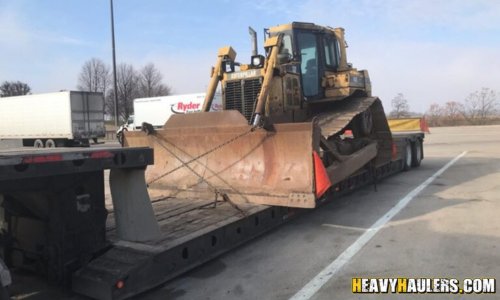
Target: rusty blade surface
x,y
274,168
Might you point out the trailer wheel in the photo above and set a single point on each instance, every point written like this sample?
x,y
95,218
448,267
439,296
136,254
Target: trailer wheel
x,y
50,144
407,161
38,144
416,153
119,136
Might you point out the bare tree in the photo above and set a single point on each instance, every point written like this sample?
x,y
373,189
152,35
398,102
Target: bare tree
x,y
14,88
400,107
95,76
453,113
128,85
151,84
433,115
480,105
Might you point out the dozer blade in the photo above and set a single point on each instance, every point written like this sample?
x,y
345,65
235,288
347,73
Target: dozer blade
x,y
274,168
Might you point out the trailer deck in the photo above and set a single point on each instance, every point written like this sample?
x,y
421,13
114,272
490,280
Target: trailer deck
x,y
192,231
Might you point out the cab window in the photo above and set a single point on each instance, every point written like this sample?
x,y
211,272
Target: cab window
x,y
286,46
331,52
309,63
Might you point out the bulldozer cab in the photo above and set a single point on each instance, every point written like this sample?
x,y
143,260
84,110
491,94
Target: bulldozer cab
x,y
304,64
319,51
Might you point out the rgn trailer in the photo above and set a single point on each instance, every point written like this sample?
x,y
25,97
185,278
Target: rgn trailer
x,y
61,119
57,224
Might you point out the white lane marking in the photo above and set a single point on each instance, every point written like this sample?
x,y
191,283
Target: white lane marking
x,y
344,227
317,282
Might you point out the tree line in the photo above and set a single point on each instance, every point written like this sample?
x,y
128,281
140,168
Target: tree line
x,y
131,83
96,76
14,88
479,108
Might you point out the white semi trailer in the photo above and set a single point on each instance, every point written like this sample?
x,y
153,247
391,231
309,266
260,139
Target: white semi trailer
x,y
157,110
61,119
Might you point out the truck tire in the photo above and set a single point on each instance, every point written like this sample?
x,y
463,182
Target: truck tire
x,y
50,144
38,144
416,153
408,157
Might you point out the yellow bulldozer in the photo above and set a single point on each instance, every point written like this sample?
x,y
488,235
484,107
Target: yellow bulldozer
x,y
281,136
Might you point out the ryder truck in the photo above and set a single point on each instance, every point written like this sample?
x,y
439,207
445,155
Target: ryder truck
x,y
157,110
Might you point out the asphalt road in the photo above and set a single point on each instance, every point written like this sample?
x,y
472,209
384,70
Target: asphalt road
x,y
450,229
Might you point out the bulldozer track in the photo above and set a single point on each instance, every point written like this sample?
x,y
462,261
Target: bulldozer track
x,y
339,114
335,118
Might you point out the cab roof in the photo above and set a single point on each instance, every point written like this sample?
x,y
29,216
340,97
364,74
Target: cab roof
x,y
301,25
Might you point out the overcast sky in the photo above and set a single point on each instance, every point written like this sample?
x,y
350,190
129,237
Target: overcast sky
x,y
432,51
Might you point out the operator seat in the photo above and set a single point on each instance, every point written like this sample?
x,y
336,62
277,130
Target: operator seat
x,y
310,79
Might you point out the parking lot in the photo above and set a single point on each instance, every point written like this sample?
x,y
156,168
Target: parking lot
x,y
450,229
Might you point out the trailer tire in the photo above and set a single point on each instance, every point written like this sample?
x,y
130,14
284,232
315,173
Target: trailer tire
x,y
50,144
38,144
408,157
416,153
119,136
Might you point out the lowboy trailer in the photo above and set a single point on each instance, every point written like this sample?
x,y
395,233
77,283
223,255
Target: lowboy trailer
x,y
57,224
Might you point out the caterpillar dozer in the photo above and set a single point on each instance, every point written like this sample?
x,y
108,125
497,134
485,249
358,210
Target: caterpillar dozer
x,y
281,138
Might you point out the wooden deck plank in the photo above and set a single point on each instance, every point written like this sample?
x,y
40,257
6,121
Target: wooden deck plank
x,y
194,220
164,209
180,217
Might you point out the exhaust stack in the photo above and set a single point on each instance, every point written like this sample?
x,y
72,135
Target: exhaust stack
x,y
254,41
